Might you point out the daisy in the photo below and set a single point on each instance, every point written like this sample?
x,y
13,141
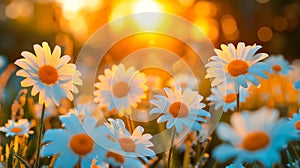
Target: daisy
x,y
3,63
184,81
153,82
74,143
297,84
294,122
237,65
120,88
235,166
51,76
256,136
225,97
180,109
123,147
20,127
278,64
84,110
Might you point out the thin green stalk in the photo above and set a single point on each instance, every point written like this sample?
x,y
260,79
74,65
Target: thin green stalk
x,y
37,162
238,102
129,123
294,150
22,160
171,149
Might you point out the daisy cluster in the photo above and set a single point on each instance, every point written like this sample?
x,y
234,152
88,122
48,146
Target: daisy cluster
x,y
259,95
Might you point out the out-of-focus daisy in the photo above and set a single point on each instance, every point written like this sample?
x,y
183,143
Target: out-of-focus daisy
x,y
294,122
294,164
122,145
153,82
84,110
224,96
297,84
20,127
51,76
120,88
184,81
237,65
3,63
235,166
278,64
74,143
256,136
180,109
49,111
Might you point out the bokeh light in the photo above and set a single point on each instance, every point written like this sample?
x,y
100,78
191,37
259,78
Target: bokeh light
x,y
264,34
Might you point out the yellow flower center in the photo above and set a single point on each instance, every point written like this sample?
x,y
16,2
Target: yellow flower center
x,y
229,98
237,67
81,144
276,68
48,74
256,140
16,130
179,110
120,89
117,157
297,125
127,144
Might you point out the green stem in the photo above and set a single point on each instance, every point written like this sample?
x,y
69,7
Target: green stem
x,y
129,123
36,165
238,102
22,160
171,149
294,150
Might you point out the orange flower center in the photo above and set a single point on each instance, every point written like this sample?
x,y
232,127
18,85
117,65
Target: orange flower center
x,y
118,158
127,144
48,74
120,89
179,110
237,67
256,140
16,130
297,125
81,144
276,68
183,85
229,98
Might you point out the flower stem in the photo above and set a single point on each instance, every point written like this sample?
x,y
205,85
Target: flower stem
x,y
238,102
36,165
130,124
171,149
294,150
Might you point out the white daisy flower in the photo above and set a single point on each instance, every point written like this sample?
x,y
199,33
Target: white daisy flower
x,y
294,122
123,147
235,166
184,81
297,84
20,127
3,63
225,97
278,64
180,109
153,82
83,111
74,143
237,65
120,88
256,136
51,76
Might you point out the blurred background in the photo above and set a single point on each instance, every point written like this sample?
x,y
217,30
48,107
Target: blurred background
x,y
274,24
